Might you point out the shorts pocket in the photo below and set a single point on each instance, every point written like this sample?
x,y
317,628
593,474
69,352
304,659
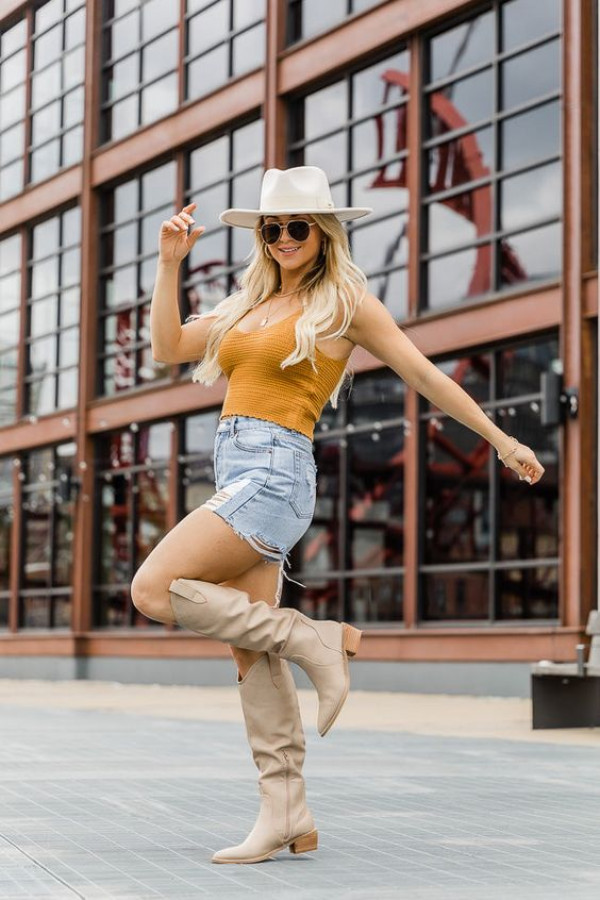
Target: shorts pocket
x,y
304,491
254,440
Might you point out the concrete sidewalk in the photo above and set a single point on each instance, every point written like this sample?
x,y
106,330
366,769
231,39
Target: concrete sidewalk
x,y
124,792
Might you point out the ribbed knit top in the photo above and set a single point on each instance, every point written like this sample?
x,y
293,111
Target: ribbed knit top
x,y
257,385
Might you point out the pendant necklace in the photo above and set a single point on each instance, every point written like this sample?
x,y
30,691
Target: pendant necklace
x,y
265,320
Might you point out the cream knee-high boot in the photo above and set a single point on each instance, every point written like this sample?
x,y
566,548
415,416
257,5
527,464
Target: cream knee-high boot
x,y
276,738
321,648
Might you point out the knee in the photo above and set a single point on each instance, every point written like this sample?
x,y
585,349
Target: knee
x,y
147,595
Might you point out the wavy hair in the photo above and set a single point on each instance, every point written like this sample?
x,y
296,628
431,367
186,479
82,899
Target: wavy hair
x,y
333,283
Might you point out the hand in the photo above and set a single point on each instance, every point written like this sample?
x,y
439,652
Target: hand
x,y
174,242
524,462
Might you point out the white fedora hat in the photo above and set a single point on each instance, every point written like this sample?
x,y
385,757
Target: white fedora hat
x,y
303,189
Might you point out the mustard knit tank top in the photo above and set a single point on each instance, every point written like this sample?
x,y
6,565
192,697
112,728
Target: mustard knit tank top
x,y
257,386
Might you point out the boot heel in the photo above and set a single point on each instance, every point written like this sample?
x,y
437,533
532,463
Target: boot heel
x,y
351,639
304,843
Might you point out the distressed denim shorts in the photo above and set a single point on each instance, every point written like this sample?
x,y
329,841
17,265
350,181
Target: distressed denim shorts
x,y
265,476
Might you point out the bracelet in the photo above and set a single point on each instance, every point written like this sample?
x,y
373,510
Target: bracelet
x,y
502,458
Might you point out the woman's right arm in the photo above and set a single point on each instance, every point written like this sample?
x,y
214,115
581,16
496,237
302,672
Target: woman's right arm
x,y
171,341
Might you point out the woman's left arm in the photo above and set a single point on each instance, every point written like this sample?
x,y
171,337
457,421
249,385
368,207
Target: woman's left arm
x,y
374,329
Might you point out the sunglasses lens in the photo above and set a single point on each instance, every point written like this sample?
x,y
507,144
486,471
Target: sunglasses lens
x,y
298,229
271,232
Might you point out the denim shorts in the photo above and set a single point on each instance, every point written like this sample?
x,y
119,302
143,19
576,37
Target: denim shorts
x,y
265,476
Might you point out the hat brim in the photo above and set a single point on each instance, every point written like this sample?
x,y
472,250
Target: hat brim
x,y
247,218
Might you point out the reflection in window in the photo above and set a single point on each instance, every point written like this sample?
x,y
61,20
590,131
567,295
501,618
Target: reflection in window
x,y
477,515
132,214
306,18
54,313
57,93
6,525
223,173
140,56
351,557
12,108
225,39
10,320
493,208
48,528
366,162
132,497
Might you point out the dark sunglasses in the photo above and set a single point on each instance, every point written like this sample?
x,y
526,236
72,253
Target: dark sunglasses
x,y
298,230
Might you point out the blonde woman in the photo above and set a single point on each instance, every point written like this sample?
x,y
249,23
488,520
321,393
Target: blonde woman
x,y
283,342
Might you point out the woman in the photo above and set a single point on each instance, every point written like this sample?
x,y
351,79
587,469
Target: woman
x,y
283,341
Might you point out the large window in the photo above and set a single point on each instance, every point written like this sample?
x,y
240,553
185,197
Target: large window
x,y
225,39
489,544
6,520
54,313
10,299
196,477
356,130
140,59
12,108
57,99
492,153
351,559
48,527
131,218
223,173
131,499
309,17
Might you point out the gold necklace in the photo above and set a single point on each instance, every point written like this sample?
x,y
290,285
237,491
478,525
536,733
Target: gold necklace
x,y
265,320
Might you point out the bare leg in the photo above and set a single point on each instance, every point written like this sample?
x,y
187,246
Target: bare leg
x,y
201,546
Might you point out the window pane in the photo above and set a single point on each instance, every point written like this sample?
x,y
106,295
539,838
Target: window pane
x,y
533,195
123,77
531,75
208,72
248,50
380,138
158,16
160,56
459,276
45,161
330,154
46,123
209,163
325,110
381,244
245,12
48,47
376,499
374,86
463,102
208,28
455,596
123,35
462,47
532,135
159,99
123,118
533,255
526,20
459,219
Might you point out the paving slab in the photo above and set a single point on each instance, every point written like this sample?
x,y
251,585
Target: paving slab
x,y
102,798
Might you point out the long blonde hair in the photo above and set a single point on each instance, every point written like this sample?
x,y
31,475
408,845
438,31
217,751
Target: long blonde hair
x,y
334,283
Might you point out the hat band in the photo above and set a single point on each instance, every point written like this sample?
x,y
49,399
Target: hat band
x,y
290,202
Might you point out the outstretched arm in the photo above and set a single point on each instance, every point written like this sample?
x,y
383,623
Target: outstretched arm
x,y
374,329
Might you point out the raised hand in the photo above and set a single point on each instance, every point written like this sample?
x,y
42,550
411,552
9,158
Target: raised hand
x,y
174,241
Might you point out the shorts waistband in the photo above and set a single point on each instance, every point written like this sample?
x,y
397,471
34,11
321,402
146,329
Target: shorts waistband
x,y
233,424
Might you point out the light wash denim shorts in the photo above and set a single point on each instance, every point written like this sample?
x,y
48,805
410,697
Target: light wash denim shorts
x,y
265,475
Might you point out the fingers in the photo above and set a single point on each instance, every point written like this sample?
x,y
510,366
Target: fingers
x,y
195,234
